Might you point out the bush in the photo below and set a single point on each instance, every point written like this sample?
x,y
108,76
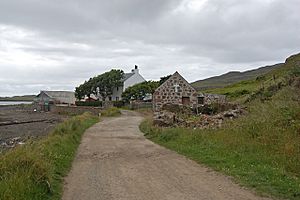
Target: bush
x,y
111,112
237,93
207,109
119,104
295,71
214,108
89,103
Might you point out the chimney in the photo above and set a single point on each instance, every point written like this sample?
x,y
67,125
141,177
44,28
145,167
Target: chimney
x,y
136,69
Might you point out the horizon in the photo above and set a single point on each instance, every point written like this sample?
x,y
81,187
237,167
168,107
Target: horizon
x,y
57,46
30,94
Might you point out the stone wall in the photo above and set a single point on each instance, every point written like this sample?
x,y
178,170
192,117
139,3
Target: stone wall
x,y
74,110
213,98
172,92
140,105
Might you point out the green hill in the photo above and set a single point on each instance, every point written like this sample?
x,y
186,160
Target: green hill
x,y
263,85
261,149
18,98
232,77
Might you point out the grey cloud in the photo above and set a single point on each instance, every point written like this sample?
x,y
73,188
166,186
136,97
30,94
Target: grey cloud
x,y
66,42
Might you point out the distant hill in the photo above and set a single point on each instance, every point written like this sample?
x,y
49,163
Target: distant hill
x,y
262,85
18,98
232,77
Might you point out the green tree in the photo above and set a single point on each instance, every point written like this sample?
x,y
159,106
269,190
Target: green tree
x,y
105,83
79,93
140,91
163,79
85,89
102,84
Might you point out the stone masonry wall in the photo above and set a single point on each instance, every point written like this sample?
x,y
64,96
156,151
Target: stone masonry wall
x,y
74,110
166,93
214,98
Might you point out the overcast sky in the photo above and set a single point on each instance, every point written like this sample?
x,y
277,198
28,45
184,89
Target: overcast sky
x,y
56,45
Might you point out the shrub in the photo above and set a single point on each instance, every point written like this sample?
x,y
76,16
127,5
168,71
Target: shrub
x,y
89,103
119,104
238,93
295,71
111,112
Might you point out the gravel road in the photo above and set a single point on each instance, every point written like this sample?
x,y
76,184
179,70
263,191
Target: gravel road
x,y
115,161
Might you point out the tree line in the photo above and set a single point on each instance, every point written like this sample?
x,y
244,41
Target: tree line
x,y
103,85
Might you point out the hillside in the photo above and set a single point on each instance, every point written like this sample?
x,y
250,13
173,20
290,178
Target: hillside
x,y
18,98
263,84
261,149
232,77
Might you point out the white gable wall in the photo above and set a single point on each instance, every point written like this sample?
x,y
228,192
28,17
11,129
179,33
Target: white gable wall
x,y
117,93
134,79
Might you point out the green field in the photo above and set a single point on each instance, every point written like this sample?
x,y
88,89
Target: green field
x,y
261,150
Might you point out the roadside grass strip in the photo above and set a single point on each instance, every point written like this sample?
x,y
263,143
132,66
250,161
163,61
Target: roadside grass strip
x,y
36,169
260,150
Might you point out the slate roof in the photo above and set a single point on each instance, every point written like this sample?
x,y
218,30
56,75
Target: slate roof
x,y
127,76
57,94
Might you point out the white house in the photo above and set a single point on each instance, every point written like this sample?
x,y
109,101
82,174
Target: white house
x,y
130,79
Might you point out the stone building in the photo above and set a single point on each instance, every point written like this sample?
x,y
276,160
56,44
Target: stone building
x,y
56,97
45,99
176,90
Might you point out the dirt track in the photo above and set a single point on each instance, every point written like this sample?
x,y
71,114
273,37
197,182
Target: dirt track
x,y
115,161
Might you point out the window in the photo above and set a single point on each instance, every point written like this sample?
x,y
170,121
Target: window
x,y
117,88
109,98
117,98
200,100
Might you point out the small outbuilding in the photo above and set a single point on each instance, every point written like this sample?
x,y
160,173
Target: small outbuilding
x,y
46,98
175,90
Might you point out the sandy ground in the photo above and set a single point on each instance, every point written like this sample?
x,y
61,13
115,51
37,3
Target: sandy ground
x,y
115,161
25,131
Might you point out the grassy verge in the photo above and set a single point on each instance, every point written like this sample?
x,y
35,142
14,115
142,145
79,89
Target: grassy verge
x,y
36,170
111,112
260,150
264,85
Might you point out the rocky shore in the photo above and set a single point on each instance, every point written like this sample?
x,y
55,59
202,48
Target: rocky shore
x,y
18,123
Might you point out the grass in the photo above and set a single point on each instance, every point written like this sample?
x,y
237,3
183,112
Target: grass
x,y
264,85
261,150
36,170
232,77
111,112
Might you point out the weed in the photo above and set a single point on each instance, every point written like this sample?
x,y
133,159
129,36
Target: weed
x,y
36,170
111,112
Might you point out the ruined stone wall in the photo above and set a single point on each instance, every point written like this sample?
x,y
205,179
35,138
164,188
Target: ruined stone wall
x,y
74,110
214,98
166,93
